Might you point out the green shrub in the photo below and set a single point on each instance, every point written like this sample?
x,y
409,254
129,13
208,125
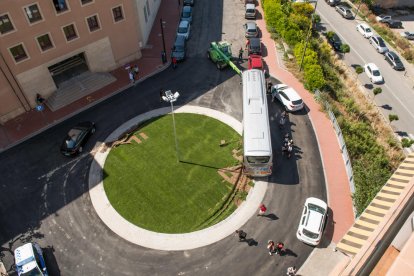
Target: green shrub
x,y
359,69
314,78
393,117
406,143
377,90
330,34
345,48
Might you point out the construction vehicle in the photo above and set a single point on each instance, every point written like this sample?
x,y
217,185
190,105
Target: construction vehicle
x,y
220,53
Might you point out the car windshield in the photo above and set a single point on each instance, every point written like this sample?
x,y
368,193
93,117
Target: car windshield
x,y
252,30
283,88
225,50
258,159
376,73
186,14
316,208
182,30
381,42
297,102
310,234
250,10
367,30
72,137
178,48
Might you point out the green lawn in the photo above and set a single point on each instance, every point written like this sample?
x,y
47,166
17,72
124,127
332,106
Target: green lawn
x,y
147,186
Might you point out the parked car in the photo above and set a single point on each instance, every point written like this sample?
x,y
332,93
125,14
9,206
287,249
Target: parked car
x,y
378,44
335,42
179,48
255,62
312,221
365,30
250,11
254,46
408,35
29,260
184,29
394,60
250,29
288,97
188,3
249,2
76,138
373,73
391,23
344,11
333,2
187,14
383,17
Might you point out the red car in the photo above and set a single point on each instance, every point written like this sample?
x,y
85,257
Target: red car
x,y
255,62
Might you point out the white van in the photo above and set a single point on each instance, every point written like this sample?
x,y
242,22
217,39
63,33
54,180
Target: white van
x,y
250,11
29,260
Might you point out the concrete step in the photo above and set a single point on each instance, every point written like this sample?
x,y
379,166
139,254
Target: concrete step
x,y
77,88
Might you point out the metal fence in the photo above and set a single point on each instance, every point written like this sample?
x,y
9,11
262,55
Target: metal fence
x,y
341,140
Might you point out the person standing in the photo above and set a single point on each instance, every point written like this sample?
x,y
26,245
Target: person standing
x,y
291,271
135,71
282,122
242,235
241,53
174,62
269,87
262,210
271,247
279,248
131,76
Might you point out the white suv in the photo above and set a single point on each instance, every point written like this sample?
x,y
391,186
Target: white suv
x,y
373,73
365,30
378,44
312,221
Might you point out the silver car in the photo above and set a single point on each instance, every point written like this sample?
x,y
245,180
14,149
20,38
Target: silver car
x,y
184,29
344,11
378,44
250,29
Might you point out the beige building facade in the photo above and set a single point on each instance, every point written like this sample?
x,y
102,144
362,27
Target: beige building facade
x,y
44,43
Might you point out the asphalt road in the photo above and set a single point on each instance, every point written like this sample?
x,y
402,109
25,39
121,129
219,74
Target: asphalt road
x,y
44,195
397,96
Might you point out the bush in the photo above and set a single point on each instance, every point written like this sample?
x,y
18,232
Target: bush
x,y
359,69
406,143
345,48
393,117
377,90
314,78
330,34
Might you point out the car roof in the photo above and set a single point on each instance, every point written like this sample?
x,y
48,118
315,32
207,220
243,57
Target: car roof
x,y
254,41
290,92
187,8
391,53
315,218
180,39
373,66
251,25
184,23
256,61
364,25
250,6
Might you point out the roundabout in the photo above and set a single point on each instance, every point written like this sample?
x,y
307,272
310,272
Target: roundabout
x,y
127,228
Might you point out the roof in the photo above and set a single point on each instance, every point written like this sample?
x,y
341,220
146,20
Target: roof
x,y
251,25
256,130
372,65
256,61
289,91
184,24
250,6
24,257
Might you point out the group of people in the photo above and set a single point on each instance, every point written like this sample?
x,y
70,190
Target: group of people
x,y
274,248
287,147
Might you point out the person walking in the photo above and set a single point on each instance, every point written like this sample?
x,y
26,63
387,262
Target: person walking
x,y
241,53
271,247
269,87
282,122
242,235
131,76
262,210
174,62
135,70
279,248
291,271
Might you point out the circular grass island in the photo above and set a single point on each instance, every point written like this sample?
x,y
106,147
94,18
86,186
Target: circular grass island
x,y
148,187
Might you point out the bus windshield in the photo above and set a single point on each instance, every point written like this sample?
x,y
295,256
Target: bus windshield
x,y
258,159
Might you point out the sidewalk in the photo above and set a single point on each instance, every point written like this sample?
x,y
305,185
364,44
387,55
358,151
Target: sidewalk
x,y
33,122
339,194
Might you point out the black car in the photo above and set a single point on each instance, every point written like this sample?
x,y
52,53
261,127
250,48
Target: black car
x,y
188,3
335,42
254,46
391,23
76,138
394,60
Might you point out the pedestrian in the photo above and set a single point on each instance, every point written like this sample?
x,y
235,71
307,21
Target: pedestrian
x,y
289,150
262,209
131,76
279,248
242,235
241,53
269,87
39,99
291,271
161,94
271,247
282,122
247,43
135,71
174,62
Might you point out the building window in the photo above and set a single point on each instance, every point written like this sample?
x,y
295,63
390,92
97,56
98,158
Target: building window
x,y
44,42
145,14
93,23
60,5
118,14
70,32
33,13
84,2
18,53
5,24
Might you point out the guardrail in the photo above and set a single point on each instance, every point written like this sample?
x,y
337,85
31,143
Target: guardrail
x,y
341,140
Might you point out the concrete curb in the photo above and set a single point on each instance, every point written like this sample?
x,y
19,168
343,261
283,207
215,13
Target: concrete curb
x,y
160,241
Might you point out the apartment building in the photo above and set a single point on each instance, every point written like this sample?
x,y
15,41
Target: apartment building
x,y
53,47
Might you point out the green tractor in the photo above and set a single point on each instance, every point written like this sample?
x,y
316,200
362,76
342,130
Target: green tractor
x,y
220,53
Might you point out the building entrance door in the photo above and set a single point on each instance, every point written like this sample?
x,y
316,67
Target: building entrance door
x,y
68,68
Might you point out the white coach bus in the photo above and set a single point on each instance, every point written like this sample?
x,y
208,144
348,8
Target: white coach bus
x,y
257,155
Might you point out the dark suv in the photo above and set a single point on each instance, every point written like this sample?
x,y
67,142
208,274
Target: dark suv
x,y
179,48
254,46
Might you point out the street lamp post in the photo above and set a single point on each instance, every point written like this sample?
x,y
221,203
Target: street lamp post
x,y
170,97
164,53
